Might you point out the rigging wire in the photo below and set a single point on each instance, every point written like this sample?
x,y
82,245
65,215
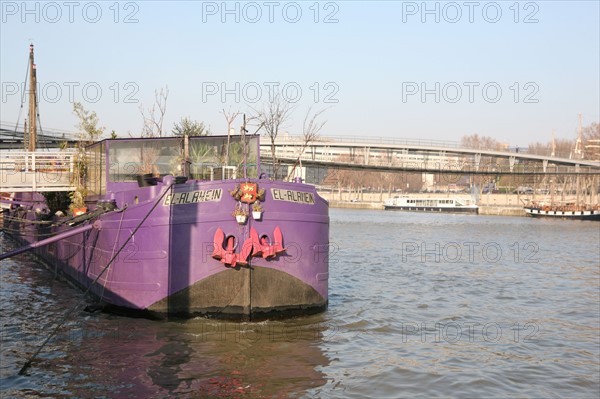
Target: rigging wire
x,y
22,98
41,130
39,119
113,251
68,313
37,106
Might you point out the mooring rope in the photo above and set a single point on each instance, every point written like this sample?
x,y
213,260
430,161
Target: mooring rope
x,y
24,221
68,313
28,223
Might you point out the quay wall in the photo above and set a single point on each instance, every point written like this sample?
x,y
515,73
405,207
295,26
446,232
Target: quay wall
x,y
501,210
489,204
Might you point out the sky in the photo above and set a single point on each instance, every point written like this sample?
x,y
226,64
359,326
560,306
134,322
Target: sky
x,y
514,71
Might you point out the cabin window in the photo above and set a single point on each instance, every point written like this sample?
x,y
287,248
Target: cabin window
x,y
95,180
208,157
128,159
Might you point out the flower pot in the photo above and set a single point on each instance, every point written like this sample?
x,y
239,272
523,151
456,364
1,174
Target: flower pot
x,y
256,215
241,219
146,180
79,211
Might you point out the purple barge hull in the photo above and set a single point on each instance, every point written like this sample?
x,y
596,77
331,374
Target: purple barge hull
x,y
182,251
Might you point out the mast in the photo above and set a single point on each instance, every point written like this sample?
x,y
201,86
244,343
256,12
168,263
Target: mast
x,y
579,143
31,133
243,132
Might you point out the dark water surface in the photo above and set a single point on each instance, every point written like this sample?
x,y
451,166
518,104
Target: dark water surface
x,y
421,305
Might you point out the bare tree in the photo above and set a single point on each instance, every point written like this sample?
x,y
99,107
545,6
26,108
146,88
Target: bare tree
x,y
153,127
310,132
272,118
476,141
561,148
340,177
229,118
591,140
564,147
539,148
153,122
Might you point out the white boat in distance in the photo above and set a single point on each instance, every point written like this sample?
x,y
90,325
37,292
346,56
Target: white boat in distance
x,y
563,211
452,205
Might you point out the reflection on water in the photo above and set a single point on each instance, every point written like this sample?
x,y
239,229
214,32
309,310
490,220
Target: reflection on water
x,y
420,305
102,354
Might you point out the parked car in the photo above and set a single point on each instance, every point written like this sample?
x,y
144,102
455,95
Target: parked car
x,y
523,190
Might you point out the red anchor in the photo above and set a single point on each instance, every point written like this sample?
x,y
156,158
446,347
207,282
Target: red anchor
x,y
262,246
224,250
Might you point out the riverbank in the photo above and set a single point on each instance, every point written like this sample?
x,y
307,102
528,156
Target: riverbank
x,y
483,210
489,204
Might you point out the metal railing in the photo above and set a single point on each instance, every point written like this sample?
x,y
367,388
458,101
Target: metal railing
x,y
423,159
23,171
374,150
16,130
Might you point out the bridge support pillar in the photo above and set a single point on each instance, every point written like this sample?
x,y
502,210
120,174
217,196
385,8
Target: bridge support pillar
x,y
477,161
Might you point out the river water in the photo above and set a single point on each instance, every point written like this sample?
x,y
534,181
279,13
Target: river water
x,y
421,305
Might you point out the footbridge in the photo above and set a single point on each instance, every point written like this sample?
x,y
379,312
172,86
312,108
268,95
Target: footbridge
x,y
52,170
12,137
424,156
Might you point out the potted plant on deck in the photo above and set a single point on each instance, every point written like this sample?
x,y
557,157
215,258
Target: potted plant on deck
x,y
89,133
257,210
77,206
77,197
240,213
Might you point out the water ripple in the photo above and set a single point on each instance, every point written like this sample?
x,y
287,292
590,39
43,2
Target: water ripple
x,y
421,305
